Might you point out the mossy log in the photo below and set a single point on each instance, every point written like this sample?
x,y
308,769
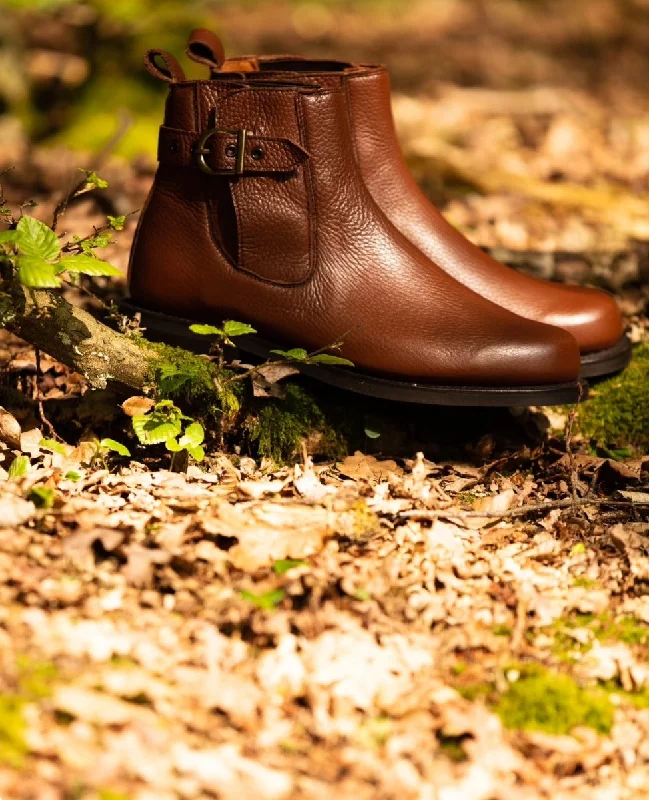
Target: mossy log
x,y
106,358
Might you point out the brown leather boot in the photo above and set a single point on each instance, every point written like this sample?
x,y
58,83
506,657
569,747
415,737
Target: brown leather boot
x,y
258,213
591,315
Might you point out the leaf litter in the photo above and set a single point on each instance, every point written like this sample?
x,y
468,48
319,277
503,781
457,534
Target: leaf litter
x,y
200,638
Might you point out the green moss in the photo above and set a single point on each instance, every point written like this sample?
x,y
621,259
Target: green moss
x,y
453,748
35,678
584,583
13,743
188,378
502,630
109,794
608,628
281,424
617,413
374,732
554,703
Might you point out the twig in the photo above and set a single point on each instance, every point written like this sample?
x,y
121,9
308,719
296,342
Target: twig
x,y
520,627
289,361
574,476
96,163
76,246
522,511
38,397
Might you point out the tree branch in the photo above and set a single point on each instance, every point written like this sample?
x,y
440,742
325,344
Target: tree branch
x,y
75,338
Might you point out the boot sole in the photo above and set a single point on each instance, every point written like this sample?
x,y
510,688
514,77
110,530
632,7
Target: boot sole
x,y
175,331
607,362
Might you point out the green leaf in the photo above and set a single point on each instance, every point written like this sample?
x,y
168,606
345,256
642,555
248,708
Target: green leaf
x,y
282,566
268,601
19,467
92,179
88,245
42,497
9,237
197,453
232,328
115,447
151,429
87,265
193,436
54,446
325,358
117,223
72,475
173,446
207,330
372,427
169,378
297,354
36,273
37,239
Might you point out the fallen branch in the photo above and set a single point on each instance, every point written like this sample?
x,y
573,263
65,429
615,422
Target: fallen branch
x,y
522,511
75,338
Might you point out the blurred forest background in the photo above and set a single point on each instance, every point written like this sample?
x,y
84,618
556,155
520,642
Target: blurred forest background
x,y
526,120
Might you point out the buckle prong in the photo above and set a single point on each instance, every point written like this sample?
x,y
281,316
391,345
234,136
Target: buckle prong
x,y
202,151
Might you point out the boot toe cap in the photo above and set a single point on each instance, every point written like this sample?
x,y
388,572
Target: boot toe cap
x,y
535,354
591,316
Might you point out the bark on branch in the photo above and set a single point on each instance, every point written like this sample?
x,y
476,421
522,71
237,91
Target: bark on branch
x,y
75,338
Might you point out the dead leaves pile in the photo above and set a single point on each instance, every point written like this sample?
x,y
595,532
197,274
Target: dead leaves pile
x,y
239,633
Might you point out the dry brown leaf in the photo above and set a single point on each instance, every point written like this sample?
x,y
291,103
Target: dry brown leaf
x,y
270,532
14,510
95,707
365,467
140,562
495,504
137,405
9,429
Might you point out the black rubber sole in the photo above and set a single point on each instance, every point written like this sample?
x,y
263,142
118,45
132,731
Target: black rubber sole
x,y
607,362
175,331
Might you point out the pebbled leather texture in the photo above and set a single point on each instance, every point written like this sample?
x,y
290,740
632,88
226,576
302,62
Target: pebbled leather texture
x,y
316,259
591,315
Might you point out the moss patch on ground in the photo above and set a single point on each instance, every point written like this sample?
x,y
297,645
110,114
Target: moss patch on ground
x,y
544,700
196,384
617,413
280,425
554,703
13,742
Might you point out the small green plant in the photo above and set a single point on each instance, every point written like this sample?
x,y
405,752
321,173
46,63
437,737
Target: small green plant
x,y
267,601
301,356
19,467
230,330
164,424
101,447
36,255
42,497
282,566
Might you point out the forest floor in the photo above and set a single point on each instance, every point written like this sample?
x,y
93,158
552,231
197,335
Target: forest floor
x,y
466,623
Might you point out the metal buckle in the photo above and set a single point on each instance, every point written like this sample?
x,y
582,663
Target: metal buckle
x,y
202,151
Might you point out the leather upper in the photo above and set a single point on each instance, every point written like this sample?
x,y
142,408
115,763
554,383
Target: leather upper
x,y
591,315
306,255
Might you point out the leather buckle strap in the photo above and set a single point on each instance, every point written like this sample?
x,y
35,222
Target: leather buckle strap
x,y
239,156
229,152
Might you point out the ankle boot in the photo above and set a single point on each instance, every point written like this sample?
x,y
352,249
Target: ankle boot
x,y
591,315
258,213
